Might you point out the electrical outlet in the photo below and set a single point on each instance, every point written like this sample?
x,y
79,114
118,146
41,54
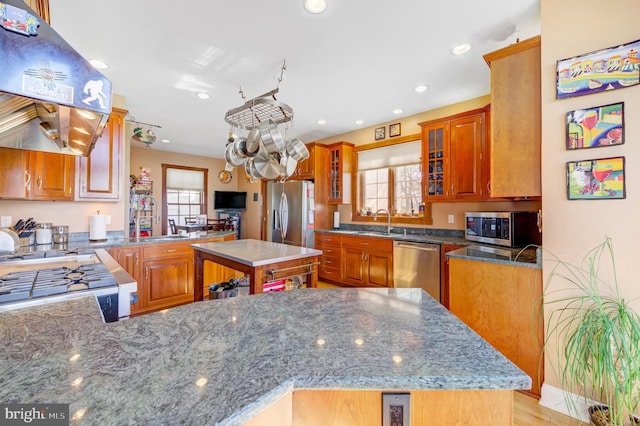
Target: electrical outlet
x,y
107,219
5,221
451,219
395,409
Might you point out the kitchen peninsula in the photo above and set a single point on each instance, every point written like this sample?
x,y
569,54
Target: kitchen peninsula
x,y
261,260
307,354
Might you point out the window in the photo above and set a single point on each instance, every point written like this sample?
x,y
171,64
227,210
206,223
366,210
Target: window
x,y
185,193
390,178
408,189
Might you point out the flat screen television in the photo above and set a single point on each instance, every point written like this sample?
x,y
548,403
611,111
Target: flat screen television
x,y
229,200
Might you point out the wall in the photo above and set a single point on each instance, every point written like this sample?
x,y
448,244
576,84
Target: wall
x,y
440,211
74,214
153,159
571,227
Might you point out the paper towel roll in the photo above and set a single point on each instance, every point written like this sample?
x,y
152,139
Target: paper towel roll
x,y
98,228
336,220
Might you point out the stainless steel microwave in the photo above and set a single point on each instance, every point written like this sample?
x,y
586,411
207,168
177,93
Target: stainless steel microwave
x,y
511,229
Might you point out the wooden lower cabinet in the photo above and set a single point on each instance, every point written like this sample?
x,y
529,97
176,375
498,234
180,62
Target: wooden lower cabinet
x,y
444,272
358,407
367,261
330,268
164,272
168,282
502,304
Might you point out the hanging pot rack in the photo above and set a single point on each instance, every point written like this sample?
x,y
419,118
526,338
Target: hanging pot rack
x,y
263,153
259,109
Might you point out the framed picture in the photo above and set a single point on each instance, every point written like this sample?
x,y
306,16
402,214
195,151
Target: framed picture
x,y
595,127
613,68
380,133
394,130
601,179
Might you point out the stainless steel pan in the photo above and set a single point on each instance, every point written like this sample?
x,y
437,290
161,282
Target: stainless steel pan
x,y
271,137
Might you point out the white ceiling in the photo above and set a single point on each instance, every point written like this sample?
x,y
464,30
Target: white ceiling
x,y
360,59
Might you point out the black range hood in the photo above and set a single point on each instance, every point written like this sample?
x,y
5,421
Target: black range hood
x,y
51,98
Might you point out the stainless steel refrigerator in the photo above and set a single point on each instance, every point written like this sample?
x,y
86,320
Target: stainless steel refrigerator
x,y
290,209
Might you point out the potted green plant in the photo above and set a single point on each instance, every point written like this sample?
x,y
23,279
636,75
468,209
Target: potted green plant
x,y
598,337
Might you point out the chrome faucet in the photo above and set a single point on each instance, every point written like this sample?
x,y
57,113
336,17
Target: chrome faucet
x,y
375,217
137,218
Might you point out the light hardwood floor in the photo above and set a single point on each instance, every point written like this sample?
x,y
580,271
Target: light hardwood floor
x,y
526,411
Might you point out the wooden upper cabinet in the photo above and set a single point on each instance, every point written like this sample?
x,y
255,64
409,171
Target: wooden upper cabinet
x,y
453,159
14,175
340,156
306,169
35,175
51,176
515,145
99,174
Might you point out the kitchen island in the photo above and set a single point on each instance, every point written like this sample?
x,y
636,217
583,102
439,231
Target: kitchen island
x,y
307,352
261,260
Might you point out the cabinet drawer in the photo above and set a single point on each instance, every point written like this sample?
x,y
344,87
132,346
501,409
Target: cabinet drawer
x,y
328,240
368,243
166,250
332,274
329,250
330,261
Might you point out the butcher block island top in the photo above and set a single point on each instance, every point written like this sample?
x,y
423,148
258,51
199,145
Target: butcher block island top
x,y
230,360
261,260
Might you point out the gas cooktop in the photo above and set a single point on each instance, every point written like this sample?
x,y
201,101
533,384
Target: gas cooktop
x,y
49,276
41,254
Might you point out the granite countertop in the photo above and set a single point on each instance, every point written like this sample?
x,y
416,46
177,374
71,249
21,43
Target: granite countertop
x,y
223,361
526,257
85,244
256,252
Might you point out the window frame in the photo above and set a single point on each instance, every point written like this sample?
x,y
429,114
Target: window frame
x,y
358,186
165,206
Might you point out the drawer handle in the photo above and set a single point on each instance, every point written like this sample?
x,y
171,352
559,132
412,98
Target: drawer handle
x,y
170,250
328,262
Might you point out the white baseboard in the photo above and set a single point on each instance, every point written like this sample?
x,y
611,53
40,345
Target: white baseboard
x,y
566,403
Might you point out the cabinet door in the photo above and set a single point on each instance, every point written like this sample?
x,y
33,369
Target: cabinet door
x,y
52,176
379,269
435,159
353,266
516,131
129,259
168,282
340,156
466,149
99,173
14,177
444,273
306,169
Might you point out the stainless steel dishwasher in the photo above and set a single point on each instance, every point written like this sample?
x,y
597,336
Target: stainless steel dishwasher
x,y
417,265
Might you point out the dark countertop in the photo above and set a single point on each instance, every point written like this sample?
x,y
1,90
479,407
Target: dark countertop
x,y
84,244
527,257
223,361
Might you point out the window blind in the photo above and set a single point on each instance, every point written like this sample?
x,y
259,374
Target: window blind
x,y
400,154
185,179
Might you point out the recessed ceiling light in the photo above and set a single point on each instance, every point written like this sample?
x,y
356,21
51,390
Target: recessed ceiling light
x,y
321,122
165,140
315,6
203,95
421,88
461,49
398,111
359,122
98,64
